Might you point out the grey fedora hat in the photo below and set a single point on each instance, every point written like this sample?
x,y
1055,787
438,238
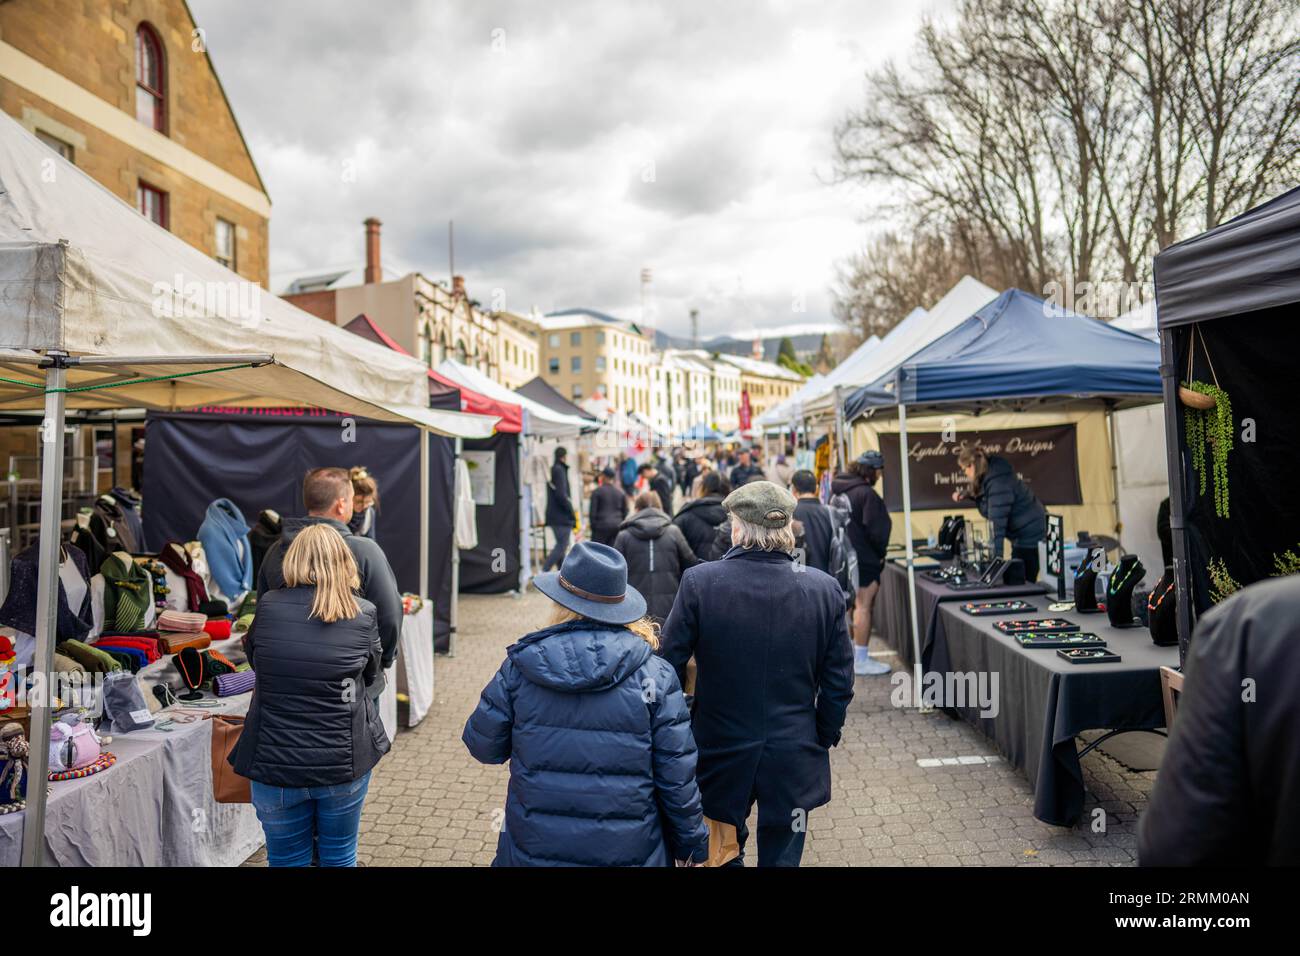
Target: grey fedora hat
x,y
593,582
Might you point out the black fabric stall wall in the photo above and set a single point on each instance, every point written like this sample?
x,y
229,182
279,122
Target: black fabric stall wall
x,y
1254,358
258,461
493,567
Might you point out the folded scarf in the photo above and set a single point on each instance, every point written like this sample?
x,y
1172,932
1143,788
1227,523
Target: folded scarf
x,y
220,629
196,594
131,659
126,594
223,528
148,645
227,685
182,621
93,660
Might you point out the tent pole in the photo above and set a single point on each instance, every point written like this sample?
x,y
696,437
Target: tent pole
x,y
1174,461
1114,461
911,562
47,590
525,519
424,513
454,616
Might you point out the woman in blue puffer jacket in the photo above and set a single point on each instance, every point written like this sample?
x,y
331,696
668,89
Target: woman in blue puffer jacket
x,y
595,726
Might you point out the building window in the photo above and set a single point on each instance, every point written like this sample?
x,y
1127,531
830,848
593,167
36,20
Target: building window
x,y
226,244
56,144
577,392
553,341
600,338
575,364
152,203
600,363
554,366
575,339
150,79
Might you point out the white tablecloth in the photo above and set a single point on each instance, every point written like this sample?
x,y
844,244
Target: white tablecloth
x,y
412,674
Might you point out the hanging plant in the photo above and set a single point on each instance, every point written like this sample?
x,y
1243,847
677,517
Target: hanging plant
x,y
1207,419
1222,584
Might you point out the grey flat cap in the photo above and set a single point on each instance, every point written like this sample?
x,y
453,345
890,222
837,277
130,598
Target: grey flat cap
x,y
762,503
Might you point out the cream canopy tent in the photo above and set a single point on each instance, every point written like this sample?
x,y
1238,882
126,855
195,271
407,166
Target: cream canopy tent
x,y
100,308
543,421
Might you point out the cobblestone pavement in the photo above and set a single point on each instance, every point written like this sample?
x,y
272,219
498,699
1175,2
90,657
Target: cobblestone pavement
x,y
431,804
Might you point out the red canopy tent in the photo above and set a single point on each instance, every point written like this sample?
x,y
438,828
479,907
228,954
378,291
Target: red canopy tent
x,y
442,389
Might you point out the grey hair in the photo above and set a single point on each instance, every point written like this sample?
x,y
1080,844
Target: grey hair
x,y
756,537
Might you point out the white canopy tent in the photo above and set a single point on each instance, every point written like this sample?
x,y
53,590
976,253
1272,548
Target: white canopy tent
x,y
791,409
100,308
543,421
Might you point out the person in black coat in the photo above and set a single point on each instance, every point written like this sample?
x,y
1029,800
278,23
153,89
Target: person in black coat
x,y
1227,789
660,485
312,735
701,517
746,470
327,494
868,532
595,727
560,517
656,553
774,675
815,521
608,508
999,494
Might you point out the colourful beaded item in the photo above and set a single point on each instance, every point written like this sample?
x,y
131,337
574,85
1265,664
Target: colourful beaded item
x,y
102,762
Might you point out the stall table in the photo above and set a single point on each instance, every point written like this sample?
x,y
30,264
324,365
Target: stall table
x,y
154,807
891,610
1044,701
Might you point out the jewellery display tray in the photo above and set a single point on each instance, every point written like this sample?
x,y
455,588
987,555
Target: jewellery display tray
x,y
1084,655
1034,641
1042,625
988,608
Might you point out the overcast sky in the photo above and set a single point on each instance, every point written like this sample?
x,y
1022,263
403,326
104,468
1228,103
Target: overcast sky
x,y
574,143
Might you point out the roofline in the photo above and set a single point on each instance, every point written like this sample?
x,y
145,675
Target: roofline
x,y
233,115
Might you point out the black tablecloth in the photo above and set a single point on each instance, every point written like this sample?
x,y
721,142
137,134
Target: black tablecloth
x,y
1044,700
891,615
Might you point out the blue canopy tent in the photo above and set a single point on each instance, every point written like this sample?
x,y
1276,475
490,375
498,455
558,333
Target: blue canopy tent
x,y
701,432
1016,353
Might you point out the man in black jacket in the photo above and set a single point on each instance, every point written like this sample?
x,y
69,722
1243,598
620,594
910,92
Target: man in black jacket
x,y
660,485
774,675
745,470
815,517
559,509
699,518
608,509
327,496
1227,790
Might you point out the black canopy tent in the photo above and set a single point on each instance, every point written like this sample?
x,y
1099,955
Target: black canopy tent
x,y
1247,271
257,458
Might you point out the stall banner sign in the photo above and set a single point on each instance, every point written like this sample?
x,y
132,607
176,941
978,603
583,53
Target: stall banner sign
x,y
482,467
746,419
1045,458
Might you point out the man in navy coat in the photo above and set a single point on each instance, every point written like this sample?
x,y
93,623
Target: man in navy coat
x,y
774,675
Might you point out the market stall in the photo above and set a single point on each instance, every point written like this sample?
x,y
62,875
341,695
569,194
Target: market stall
x,y
1226,304
1013,355
102,309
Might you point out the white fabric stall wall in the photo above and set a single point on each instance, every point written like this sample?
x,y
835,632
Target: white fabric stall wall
x,y
1143,482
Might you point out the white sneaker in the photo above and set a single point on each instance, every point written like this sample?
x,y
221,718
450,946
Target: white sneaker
x,y
864,665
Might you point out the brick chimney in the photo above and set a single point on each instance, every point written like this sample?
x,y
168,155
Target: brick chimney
x,y
458,286
374,273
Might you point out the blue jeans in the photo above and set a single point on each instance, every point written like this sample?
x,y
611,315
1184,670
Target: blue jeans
x,y
300,820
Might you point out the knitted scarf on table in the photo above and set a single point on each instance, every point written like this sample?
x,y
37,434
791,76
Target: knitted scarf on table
x,y
223,528
181,563
126,595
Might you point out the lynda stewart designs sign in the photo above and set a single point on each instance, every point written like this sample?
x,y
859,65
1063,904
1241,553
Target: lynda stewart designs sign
x,y
1046,459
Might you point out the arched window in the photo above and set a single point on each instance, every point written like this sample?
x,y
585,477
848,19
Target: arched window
x,y
150,79
461,355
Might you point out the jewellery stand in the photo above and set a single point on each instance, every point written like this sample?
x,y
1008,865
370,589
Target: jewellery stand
x,y
1085,581
190,663
1119,592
